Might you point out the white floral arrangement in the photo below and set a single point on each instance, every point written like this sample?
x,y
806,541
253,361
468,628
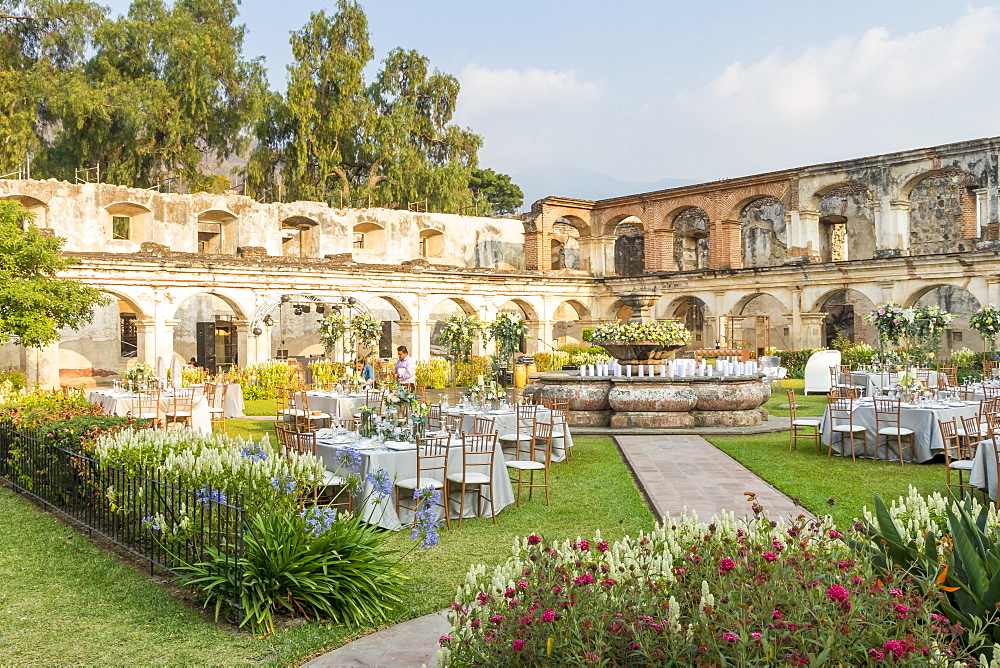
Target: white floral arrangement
x,y
668,332
986,321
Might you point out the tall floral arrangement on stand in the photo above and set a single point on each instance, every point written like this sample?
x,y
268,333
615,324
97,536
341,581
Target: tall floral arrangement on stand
x,y
892,321
986,321
506,331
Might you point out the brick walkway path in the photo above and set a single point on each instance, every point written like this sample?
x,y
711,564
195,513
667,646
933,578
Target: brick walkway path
x,y
676,471
688,471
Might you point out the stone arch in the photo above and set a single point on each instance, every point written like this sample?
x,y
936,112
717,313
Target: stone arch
x,y
764,303
217,232
566,327
846,309
526,309
130,301
618,311
34,205
630,244
696,315
846,221
691,237
127,221
578,223
958,301
437,316
391,313
369,238
211,327
763,231
942,211
565,245
299,237
431,243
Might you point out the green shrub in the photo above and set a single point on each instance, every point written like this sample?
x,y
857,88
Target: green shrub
x,y
467,373
553,361
312,564
964,358
794,361
433,373
261,381
13,379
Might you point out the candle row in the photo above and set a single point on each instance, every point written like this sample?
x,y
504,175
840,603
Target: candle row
x,y
674,368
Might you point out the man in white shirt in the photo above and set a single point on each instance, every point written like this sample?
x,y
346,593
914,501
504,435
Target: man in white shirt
x,y
406,368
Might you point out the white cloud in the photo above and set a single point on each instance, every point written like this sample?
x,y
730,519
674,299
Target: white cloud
x,y
487,90
848,73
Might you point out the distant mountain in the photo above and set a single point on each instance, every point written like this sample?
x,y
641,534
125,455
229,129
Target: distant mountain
x,y
569,181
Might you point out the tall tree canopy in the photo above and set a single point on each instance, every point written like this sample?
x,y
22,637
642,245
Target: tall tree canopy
x,y
34,303
333,137
496,192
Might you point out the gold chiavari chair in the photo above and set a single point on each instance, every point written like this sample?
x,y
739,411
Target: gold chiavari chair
x,y
887,412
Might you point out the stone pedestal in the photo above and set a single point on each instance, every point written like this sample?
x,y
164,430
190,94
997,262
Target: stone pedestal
x,y
657,402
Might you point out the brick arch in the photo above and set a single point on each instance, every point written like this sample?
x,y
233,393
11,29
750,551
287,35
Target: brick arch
x,y
970,181
611,225
817,196
743,197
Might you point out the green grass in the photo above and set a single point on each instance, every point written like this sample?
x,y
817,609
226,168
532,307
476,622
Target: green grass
x,y
81,605
260,407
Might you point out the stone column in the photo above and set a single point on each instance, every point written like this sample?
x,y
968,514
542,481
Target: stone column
x,y
411,331
145,334
640,302
795,318
164,336
539,339
813,328
725,244
243,337
982,213
899,213
993,290
807,236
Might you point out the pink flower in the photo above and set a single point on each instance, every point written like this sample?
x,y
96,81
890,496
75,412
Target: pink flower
x,y
523,584
834,533
582,545
549,615
534,540
609,582
876,654
770,556
881,311
777,545
496,619
837,593
510,593
634,645
444,640
474,623
897,647
586,578
726,564
556,589
896,592
603,546
756,635
730,636
776,614
517,645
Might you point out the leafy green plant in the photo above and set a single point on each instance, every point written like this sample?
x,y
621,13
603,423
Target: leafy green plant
x,y
458,335
433,373
962,562
553,361
311,564
467,373
332,329
963,358
986,321
13,379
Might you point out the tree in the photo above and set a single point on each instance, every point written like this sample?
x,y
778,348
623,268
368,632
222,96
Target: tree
x,y
496,191
34,304
334,138
166,89
42,50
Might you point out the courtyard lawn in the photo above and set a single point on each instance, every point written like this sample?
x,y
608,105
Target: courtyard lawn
x,y
69,601
260,407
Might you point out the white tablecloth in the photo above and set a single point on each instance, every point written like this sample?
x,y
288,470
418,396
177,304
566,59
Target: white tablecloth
x,y
338,405
505,422
125,403
923,421
984,468
873,382
401,465
234,399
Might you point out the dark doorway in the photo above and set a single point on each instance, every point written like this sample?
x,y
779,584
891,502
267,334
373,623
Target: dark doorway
x,y
216,346
630,252
385,341
839,320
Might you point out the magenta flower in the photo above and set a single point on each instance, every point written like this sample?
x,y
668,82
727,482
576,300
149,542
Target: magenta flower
x,y
603,546
896,592
517,645
730,636
834,533
444,640
726,564
534,540
770,556
549,615
496,619
586,578
776,614
837,593
523,584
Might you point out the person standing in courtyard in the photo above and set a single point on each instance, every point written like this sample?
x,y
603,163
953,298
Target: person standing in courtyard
x,y
366,371
406,368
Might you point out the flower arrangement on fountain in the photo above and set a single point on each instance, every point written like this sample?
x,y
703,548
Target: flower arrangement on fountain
x,y
665,333
986,321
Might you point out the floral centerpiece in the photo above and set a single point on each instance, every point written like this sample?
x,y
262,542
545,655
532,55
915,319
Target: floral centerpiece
x,y
637,342
986,321
402,397
909,385
892,321
139,377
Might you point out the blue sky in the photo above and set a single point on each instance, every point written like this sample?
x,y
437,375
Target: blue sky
x,y
645,91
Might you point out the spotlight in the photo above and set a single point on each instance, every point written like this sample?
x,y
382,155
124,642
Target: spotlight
x,y
352,301
305,308
268,320
257,331
297,311
336,308
321,309
286,298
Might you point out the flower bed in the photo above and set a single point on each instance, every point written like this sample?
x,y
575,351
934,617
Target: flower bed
x,y
728,593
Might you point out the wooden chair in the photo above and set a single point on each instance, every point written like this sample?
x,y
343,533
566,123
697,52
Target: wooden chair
x,y
954,460
215,395
972,433
181,407
434,420
991,391
990,367
432,470
527,462
373,400
887,412
478,451
484,425
802,428
421,392
453,425
524,423
146,405
559,417
306,419
326,490
842,408
924,376
283,401
846,391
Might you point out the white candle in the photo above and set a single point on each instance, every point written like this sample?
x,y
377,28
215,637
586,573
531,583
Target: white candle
x,y
480,381
628,371
640,370
663,369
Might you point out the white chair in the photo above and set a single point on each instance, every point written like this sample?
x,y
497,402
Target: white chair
x,y
817,374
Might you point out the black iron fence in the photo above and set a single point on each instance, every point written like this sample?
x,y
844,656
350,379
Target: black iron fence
x,y
155,519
